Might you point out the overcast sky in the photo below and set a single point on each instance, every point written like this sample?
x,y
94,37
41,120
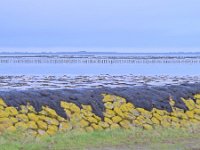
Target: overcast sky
x,y
129,25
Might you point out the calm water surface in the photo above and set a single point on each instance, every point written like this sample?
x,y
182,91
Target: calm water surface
x,y
97,69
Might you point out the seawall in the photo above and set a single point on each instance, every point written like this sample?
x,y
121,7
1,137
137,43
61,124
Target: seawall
x,y
44,112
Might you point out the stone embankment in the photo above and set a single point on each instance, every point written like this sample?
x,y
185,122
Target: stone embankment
x,y
50,111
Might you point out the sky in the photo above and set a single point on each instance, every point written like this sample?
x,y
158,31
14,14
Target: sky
x,y
100,25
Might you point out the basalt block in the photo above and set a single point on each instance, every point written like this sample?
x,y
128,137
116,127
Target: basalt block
x,y
110,109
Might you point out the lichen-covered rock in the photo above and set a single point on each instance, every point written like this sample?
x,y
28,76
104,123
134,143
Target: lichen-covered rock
x,y
65,126
147,126
13,119
109,113
87,107
51,121
11,128
96,126
92,120
3,114
74,108
33,117
189,103
52,113
190,114
65,105
21,125
42,132
89,129
197,97
22,117
104,124
116,119
12,111
108,98
115,126
157,116
155,120
6,121
108,105
125,124
84,123
42,125
107,120
52,129
118,113
32,125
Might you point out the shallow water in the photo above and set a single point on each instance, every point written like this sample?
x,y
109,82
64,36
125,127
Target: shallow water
x,y
97,69
170,64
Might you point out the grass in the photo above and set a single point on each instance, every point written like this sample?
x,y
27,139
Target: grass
x,y
177,139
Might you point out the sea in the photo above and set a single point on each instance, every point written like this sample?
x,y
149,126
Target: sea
x,y
99,63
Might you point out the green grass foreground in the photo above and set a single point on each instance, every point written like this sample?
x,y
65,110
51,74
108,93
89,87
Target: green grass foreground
x,y
159,138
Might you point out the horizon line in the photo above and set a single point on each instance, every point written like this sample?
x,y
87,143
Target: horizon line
x,y
89,52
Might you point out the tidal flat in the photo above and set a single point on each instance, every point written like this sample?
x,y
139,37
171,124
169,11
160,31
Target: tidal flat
x,y
24,82
94,95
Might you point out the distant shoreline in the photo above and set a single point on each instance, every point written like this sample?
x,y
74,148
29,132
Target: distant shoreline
x,y
90,53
